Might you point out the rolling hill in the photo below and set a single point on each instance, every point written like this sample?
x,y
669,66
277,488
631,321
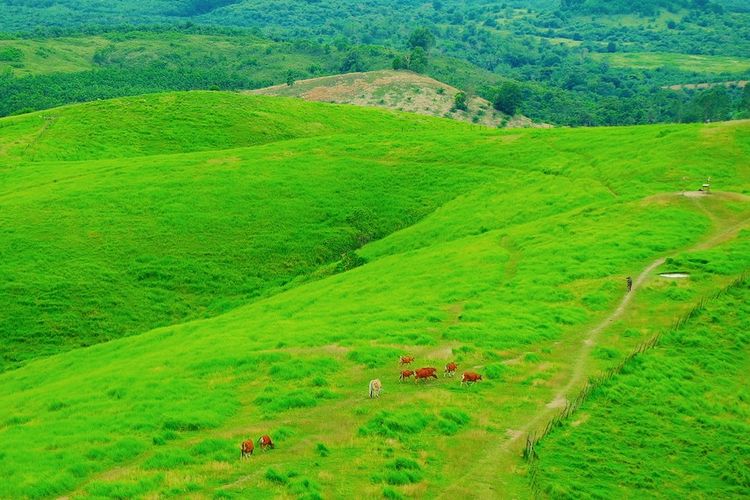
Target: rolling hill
x,y
253,261
106,255
400,90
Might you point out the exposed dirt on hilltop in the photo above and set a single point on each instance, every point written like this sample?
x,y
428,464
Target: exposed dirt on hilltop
x,y
400,90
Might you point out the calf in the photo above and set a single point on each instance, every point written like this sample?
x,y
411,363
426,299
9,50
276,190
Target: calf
x,y
247,448
405,374
405,360
470,377
375,388
265,442
450,369
425,373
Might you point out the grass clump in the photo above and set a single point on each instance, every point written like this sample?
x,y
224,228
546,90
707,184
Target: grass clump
x,y
392,494
277,401
220,450
496,371
452,420
274,476
125,489
374,357
298,369
402,471
169,459
397,425
193,422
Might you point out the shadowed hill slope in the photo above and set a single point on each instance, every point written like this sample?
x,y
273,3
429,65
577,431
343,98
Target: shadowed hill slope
x,y
93,250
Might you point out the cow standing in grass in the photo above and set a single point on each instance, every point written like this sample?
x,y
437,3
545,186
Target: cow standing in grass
x,y
265,443
405,360
450,369
375,388
405,374
470,378
425,373
247,448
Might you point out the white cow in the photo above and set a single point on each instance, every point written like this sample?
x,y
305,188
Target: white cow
x,y
375,388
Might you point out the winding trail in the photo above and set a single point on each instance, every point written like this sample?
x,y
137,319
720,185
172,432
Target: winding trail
x,y
491,487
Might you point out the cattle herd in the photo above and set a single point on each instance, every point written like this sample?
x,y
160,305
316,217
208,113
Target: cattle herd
x,y
375,387
429,372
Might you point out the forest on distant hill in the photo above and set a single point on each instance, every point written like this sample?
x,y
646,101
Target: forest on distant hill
x,y
573,62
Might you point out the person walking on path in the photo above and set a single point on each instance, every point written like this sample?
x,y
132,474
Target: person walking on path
x,y
630,284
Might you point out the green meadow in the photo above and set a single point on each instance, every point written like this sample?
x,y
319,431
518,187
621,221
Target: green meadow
x,y
184,271
691,398
682,62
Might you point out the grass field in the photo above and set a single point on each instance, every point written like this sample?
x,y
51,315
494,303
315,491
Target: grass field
x,y
119,246
683,62
501,250
691,401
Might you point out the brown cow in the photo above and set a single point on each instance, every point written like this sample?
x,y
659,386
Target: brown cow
x,y
450,369
470,377
425,373
405,360
405,374
265,442
247,448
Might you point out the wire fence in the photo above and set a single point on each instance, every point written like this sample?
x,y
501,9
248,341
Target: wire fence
x,y
533,438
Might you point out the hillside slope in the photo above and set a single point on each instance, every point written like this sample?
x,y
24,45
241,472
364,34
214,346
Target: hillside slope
x,y
400,90
497,249
692,397
101,240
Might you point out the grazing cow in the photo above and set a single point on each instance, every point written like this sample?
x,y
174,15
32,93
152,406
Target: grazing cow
x,y
425,373
375,388
265,442
405,360
405,374
450,369
247,448
470,377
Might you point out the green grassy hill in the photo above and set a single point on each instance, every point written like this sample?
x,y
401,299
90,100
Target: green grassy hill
x,y
502,250
691,401
128,242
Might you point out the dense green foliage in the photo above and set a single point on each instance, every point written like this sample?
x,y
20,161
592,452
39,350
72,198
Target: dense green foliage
x,y
57,71
675,420
496,249
580,64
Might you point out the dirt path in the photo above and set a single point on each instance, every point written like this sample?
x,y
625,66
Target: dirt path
x,y
484,488
491,487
